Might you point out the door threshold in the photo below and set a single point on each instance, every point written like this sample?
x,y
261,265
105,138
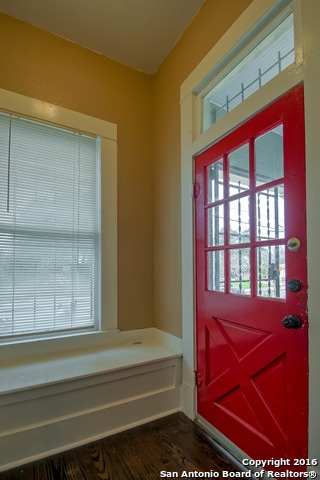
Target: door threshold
x,y
224,445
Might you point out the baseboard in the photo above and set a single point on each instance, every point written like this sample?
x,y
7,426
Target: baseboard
x,y
188,402
54,418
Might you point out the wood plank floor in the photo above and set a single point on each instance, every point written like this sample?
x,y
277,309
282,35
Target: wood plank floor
x,y
162,448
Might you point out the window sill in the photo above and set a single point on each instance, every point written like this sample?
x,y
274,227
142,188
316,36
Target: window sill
x,y
127,349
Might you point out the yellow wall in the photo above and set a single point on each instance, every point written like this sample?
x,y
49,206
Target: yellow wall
x,y
211,22
49,68
46,67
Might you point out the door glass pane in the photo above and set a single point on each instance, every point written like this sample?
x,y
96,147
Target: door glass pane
x,y
215,269
239,226
215,181
215,226
240,277
271,272
239,170
270,214
269,156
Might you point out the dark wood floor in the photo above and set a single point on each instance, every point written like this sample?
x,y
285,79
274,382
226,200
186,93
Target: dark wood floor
x,y
163,448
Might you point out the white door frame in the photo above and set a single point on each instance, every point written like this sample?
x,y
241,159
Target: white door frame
x,y
306,69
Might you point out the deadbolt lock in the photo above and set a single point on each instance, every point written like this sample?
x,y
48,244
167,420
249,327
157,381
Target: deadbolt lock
x,y
292,321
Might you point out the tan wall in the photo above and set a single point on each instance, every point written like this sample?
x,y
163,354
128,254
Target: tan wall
x,y
46,67
211,22
49,68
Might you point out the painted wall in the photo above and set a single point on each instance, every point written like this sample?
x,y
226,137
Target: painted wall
x,y
211,22
49,68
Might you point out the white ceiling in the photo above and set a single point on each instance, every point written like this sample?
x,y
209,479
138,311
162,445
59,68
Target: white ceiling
x,y
137,33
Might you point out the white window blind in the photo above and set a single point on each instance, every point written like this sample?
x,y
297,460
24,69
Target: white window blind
x,y
49,228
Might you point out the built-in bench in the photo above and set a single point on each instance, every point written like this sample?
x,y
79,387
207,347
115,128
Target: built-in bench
x,y
50,403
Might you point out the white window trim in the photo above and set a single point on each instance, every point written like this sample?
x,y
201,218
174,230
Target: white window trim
x,y
62,117
193,142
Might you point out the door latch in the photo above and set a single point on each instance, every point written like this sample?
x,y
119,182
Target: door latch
x,y
294,285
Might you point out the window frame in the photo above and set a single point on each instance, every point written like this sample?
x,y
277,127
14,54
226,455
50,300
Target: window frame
x,y
243,49
44,112
221,59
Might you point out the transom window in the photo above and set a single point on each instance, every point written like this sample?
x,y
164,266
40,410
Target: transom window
x,y
270,56
49,228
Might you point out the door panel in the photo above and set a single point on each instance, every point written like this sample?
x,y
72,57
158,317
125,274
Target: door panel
x,y
251,370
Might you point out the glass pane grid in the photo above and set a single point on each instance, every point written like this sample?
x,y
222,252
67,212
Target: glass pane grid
x,y
245,219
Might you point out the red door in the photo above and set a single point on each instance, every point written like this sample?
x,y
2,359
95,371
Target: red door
x,y
252,350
